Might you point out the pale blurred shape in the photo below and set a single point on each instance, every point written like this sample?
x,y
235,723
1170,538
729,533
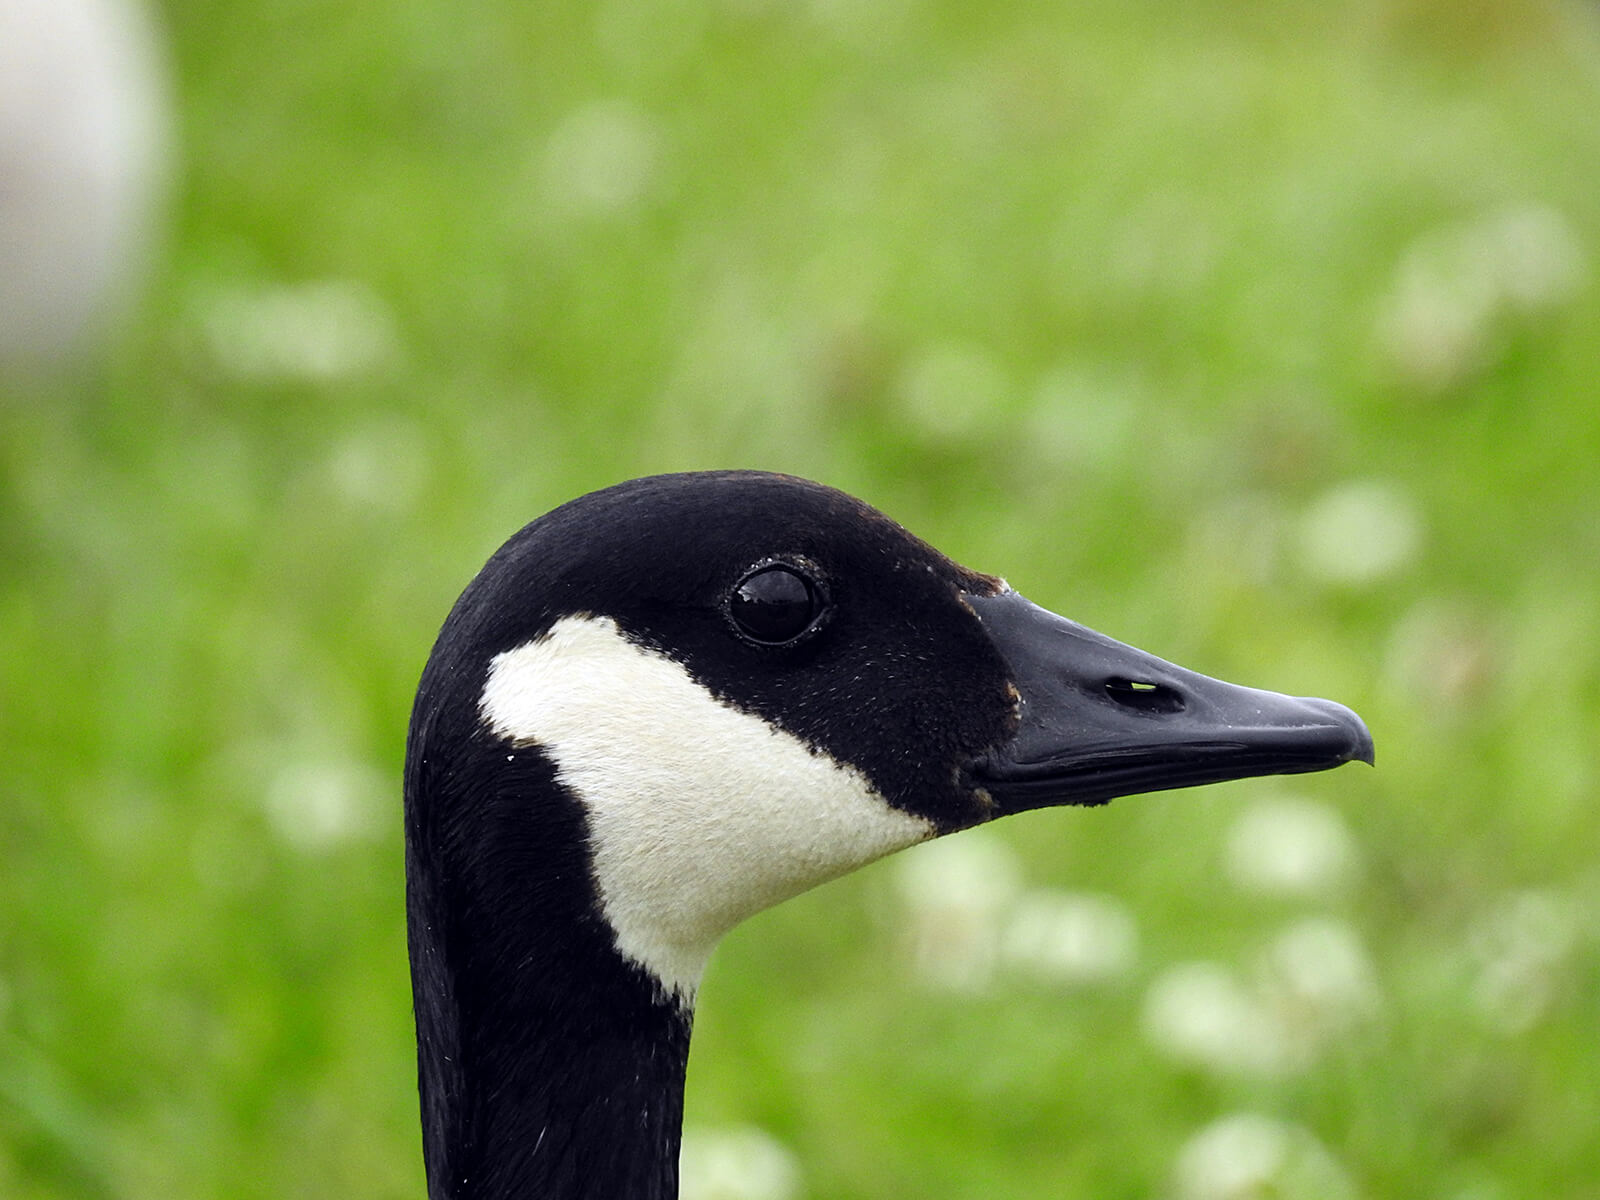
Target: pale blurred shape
x,y
83,130
1165,244
602,159
952,391
1441,656
1248,1156
317,805
1481,1189
650,37
1289,846
1458,289
1360,533
1085,414
739,369
1314,984
1541,259
382,465
1520,946
863,23
1240,538
955,893
1201,1013
740,1163
1071,937
322,331
1321,980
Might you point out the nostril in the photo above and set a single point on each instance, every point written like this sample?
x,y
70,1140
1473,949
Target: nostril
x,y
1144,695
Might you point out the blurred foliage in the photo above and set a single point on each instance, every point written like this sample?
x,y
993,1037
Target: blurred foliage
x,y
1261,336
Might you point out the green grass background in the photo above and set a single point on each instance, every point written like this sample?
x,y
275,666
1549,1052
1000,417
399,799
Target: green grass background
x,y
1105,297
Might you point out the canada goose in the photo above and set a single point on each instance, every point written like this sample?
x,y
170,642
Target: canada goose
x,y
667,705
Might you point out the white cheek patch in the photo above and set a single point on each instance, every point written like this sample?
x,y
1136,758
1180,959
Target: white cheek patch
x,y
699,814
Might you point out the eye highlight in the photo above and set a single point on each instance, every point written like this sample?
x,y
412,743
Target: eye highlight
x,y
776,603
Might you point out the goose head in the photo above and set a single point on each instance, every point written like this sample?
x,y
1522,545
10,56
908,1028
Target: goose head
x,y
670,704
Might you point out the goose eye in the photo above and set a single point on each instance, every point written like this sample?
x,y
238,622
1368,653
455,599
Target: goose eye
x,y
775,604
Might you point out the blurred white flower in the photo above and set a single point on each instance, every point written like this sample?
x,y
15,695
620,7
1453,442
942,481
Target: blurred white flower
x,y
1313,984
1240,538
950,391
602,159
1440,656
1201,1013
1085,414
1070,937
1166,244
861,22
381,465
82,143
1359,533
955,893
321,331
321,804
1456,288
650,37
742,1163
1289,846
1519,947
1320,980
1481,1189
739,369
1247,1156
1539,257
965,914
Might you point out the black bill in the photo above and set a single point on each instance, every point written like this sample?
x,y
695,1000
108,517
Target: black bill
x,y
1100,719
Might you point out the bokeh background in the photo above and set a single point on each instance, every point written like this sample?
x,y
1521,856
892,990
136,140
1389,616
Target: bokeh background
x,y
1266,337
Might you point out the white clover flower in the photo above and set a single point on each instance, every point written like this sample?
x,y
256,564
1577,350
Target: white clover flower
x,y
1360,533
1457,289
319,804
1247,1156
741,1163
1290,846
1202,1013
323,330
1242,536
955,893
1520,946
602,159
1314,983
1443,653
1320,979
1085,414
381,465
950,390
1070,937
